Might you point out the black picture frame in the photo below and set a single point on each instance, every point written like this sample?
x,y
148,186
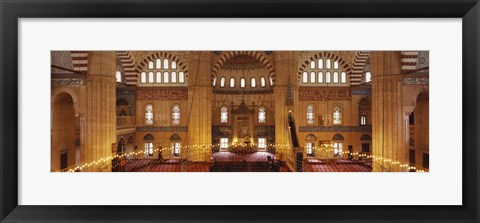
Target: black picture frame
x,y
11,11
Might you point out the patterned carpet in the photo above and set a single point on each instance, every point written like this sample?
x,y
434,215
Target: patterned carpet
x,y
251,157
133,165
197,167
339,165
174,165
341,168
232,162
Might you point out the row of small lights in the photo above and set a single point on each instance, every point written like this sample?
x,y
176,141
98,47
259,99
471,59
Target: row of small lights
x,y
321,149
386,160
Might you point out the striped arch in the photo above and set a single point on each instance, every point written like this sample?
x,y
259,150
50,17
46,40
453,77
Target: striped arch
x,y
409,61
156,55
126,59
255,54
306,64
359,63
80,61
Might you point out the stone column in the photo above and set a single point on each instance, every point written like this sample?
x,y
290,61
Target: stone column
x,y
100,117
199,136
421,130
285,74
388,123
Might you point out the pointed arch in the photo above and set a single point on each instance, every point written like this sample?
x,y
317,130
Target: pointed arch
x,y
359,63
255,54
127,63
181,66
321,58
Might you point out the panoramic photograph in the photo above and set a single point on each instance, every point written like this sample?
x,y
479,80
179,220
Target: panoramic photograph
x,y
239,111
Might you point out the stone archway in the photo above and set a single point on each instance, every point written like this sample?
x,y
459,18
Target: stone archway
x,y
324,55
63,153
254,54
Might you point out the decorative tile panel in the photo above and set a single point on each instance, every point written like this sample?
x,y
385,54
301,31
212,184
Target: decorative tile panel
x,y
125,91
162,129
365,128
361,92
68,81
162,94
415,80
322,94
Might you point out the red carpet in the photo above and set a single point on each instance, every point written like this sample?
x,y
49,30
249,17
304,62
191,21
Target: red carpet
x,y
232,162
250,157
340,165
173,165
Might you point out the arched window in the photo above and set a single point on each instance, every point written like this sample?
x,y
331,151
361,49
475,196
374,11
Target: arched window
x,y
262,82
271,81
335,77
174,77
253,82
363,119
224,114
320,63
327,77
364,108
176,114
223,143
176,149
148,145
118,76
214,81
310,114
310,140
323,72
165,63
368,77
232,82
158,77
149,114
222,82
181,77
143,78
242,82
150,77
262,143
337,115
162,71
337,149
337,145
305,77
150,65
165,77
343,78
320,77
309,148
176,146
261,115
